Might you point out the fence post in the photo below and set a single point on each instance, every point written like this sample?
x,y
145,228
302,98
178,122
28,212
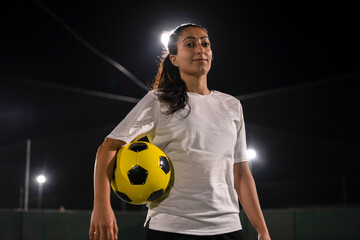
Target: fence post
x,y
27,175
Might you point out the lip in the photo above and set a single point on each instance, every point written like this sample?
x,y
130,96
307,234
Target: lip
x,y
200,60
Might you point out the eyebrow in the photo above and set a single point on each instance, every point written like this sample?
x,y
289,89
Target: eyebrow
x,y
192,37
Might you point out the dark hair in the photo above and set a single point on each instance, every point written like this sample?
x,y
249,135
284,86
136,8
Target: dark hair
x,y
171,88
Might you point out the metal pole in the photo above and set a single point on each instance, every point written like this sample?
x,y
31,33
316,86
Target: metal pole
x,y
21,198
40,195
343,181
27,175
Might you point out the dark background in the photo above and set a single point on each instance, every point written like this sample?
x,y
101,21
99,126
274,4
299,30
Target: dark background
x,y
294,66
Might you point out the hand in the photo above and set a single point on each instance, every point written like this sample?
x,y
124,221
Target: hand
x,y
103,224
264,236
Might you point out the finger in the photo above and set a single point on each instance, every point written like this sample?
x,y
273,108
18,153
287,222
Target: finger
x,y
91,233
103,233
97,233
109,234
115,231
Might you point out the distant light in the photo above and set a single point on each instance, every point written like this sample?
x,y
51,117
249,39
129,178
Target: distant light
x,y
165,38
41,179
251,154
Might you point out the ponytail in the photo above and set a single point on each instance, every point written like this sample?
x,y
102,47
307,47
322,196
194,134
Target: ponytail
x,y
171,88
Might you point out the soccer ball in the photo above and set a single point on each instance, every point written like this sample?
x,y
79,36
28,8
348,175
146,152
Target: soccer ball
x,y
142,173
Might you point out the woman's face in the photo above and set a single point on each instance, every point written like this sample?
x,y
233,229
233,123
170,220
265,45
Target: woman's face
x,y
194,53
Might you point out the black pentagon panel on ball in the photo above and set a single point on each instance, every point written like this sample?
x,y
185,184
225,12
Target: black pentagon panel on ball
x,y
164,164
137,175
138,146
123,196
155,195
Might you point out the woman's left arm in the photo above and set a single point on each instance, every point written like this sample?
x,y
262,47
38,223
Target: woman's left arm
x,y
246,190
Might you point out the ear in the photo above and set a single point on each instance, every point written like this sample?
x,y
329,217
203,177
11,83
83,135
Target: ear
x,y
173,60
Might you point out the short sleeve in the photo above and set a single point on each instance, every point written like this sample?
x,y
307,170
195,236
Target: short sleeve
x,y
140,121
240,145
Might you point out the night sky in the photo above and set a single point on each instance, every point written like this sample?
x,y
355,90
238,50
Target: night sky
x,y
294,66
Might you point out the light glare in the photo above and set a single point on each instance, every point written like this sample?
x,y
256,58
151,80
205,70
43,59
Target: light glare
x,y
165,38
251,154
41,179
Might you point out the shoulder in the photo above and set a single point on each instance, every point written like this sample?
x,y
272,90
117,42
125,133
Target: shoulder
x,y
151,93
154,93
226,97
150,96
230,102
222,94
148,100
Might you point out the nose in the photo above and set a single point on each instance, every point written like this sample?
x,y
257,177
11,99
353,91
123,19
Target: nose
x,y
199,49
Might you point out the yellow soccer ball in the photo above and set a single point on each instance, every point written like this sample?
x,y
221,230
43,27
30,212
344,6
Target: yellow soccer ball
x,y
142,173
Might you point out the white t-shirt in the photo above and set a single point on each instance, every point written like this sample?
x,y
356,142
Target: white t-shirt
x,y
203,148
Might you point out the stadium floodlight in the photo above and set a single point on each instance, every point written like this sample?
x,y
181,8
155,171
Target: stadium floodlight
x,y
41,179
165,38
251,154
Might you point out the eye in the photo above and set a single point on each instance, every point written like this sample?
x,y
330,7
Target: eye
x,y
189,44
206,44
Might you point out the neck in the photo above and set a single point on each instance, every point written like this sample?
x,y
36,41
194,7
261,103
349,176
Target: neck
x,y
196,84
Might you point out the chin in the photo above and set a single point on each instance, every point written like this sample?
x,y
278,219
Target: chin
x,y
204,70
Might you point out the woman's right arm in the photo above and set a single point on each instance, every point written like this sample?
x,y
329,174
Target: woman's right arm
x,y
103,222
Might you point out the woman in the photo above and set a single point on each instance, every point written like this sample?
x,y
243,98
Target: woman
x,y
203,134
